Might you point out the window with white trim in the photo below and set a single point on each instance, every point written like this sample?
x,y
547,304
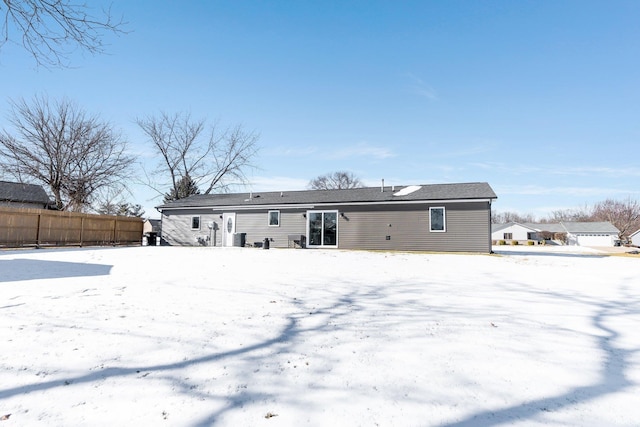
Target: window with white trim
x,y
274,218
195,222
437,220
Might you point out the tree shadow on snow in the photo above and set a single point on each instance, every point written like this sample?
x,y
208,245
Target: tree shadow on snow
x,y
331,312
252,355
31,269
613,376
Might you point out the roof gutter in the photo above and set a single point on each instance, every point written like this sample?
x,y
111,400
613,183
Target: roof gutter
x,y
315,205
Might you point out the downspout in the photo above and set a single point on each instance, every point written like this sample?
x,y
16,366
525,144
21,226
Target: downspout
x,y
160,233
490,245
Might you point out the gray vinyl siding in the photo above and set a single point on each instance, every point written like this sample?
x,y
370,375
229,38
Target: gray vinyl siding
x,y
361,227
255,224
367,227
176,228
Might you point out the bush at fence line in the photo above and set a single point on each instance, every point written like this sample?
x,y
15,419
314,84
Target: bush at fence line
x,y
514,243
530,242
502,242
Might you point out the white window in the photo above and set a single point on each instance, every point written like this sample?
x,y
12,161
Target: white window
x,y
195,223
437,220
274,218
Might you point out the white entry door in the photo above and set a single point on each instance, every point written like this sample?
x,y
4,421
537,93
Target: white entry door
x,y
228,228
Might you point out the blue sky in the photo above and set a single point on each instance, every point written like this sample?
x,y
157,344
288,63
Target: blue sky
x,y
538,98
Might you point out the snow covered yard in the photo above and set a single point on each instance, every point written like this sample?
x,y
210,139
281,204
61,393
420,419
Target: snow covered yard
x,y
250,337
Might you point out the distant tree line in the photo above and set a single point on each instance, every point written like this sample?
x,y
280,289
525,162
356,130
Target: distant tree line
x,y
624,214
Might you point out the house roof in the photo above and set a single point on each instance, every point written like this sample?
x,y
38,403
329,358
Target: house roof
x,y
432,192
590,227
563,227
498,227
552,227
24,193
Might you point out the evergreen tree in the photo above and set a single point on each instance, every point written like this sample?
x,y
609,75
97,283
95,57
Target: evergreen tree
x,y
186,187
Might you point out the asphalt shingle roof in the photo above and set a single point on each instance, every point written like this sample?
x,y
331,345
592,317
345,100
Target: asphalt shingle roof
x,y
590,227
24,193
552,227
562,227
465,191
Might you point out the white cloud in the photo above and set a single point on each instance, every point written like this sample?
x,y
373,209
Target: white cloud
x,y
598,170
536,190
468,151
422,89
591,171
361,150
277,183
292,151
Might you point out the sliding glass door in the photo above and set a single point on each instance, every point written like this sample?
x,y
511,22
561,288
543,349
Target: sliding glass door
x,y
322,228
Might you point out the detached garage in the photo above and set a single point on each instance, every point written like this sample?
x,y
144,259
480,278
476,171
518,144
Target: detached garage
x,y
591,233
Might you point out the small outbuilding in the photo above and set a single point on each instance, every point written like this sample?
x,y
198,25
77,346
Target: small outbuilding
x,y
435,217
19,195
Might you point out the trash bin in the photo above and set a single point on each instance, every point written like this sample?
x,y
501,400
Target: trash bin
x,y
265,245
239,239
151,238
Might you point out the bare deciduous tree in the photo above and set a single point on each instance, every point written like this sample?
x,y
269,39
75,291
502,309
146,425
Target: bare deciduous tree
x,y
213,160
582,214
505,217
112,202
624,214
59,145
335,181
51,29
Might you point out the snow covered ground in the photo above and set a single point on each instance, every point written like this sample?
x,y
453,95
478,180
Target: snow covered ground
x,y
250,337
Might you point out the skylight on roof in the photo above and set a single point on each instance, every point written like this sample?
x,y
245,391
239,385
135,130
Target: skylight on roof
x,y
407,190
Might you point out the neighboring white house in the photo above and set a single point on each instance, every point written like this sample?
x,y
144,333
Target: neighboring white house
x,y
634,238
577,233
513,231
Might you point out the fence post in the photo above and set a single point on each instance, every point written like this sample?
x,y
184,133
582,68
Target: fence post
x,y
81,231
38,232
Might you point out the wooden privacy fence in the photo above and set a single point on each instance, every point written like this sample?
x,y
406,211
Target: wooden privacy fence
x,y
39,227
